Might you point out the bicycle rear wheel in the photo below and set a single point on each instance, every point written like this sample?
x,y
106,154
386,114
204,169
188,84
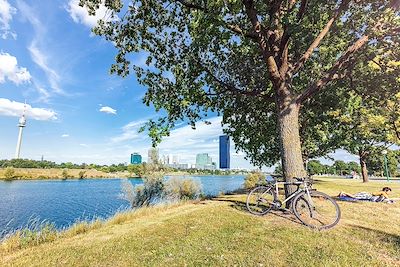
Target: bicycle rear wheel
x,y
260,200
318,211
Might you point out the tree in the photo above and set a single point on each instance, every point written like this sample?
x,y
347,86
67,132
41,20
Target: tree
x,y
315,167
376,165
353,167
369,120
136,169
218,56
64,174
340,167
9,173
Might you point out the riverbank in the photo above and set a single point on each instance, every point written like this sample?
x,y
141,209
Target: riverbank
x,y
47,174
59,174
219,232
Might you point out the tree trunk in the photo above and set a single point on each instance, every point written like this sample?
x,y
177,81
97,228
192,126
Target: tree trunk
x,y
363,164
292,161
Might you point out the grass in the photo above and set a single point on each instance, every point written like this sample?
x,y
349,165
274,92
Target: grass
x,y
219,232
45,174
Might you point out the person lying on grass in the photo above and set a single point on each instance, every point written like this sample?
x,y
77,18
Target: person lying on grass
x,y
380,196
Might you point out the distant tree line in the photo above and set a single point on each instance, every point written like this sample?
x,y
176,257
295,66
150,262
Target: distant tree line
x,y
339,167
134,169
45,164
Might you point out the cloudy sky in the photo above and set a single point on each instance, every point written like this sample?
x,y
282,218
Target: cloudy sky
x,y
75,110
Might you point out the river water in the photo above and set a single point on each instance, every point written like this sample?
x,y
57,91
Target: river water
x,y
26,203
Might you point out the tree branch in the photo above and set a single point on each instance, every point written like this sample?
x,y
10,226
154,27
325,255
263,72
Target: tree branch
x,y
302,10
191,5
263,43
320,36
232,27
238,30
396,130
333,72
227,87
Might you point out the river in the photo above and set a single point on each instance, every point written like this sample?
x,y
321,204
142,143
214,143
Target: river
x,y
26,203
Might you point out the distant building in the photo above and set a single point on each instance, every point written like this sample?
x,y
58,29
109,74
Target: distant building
x,y
152,156
136,158
204,162
175,159
224,152
180,166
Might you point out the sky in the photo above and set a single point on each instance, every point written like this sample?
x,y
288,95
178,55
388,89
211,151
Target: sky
x,y
75,110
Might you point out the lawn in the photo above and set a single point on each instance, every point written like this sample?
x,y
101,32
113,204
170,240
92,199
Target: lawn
x,y
219,232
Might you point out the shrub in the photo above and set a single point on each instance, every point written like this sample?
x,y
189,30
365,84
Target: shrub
x,y
182,189
9,173
151,192
81,174
65,174
155,190
254,178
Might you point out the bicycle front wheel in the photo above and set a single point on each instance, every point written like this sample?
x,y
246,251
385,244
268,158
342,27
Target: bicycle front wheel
x,y
260,200
317,210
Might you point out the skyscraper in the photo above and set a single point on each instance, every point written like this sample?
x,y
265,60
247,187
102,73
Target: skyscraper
x,y
152,156
136,158
203,161
224,152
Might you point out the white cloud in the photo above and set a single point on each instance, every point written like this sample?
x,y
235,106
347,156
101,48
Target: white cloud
x,y
80,14
129,132
36,51
10,70
15,109
84,145
41,60
65,135
108,110
6,13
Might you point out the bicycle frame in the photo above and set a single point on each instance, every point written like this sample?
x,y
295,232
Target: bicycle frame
x,y
298,191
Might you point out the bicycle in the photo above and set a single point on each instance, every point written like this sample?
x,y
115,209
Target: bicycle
x,y
313,208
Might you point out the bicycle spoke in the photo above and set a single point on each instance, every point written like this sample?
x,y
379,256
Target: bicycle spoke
x,y
259,200
320,211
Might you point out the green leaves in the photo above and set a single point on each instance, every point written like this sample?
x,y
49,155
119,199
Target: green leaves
x,y
204,57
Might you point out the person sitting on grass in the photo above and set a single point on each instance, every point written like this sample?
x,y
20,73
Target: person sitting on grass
x,y
380,196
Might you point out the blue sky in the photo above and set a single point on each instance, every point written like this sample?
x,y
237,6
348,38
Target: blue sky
x,y
76,111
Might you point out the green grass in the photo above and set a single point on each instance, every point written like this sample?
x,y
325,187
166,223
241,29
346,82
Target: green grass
x,y
220,232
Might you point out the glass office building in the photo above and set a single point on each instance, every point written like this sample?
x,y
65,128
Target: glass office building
x,y
224,152
136,158
204,162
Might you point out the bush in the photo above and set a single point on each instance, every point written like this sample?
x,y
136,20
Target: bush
x,y
9,173
182,189
253,179
81,174
65,174
155,190
151,192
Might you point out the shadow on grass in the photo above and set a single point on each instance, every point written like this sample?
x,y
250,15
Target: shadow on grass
x,y
241,206
384,237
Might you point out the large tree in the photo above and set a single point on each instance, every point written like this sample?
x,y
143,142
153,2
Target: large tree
x,y
225,55
368,114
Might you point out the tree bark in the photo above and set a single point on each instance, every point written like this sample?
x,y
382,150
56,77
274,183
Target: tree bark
x,y
363,164
288,121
